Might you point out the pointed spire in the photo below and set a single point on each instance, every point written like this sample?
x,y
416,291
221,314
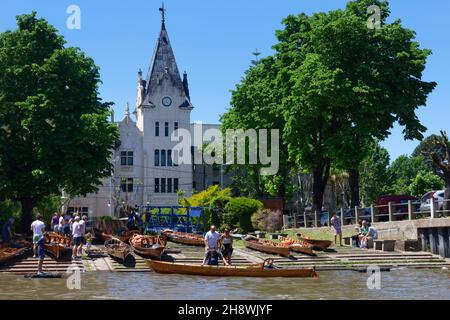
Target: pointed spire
x,y
163,64
127,110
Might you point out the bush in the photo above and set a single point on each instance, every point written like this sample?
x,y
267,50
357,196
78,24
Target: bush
x,y
106,218
238,212
267,220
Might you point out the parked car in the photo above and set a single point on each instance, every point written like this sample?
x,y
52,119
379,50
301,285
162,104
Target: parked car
x,y
425,201
400,205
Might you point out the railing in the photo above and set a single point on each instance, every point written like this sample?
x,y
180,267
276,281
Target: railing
x,y
411,210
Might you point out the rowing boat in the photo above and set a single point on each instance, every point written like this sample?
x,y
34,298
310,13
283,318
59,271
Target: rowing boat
x,y
298,245
57,245
7,253
319,245
124,236
266,246
183,238
100,235
230,271
118,249
148,246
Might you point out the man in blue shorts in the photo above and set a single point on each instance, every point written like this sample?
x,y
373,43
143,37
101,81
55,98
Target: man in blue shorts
x,y
41,255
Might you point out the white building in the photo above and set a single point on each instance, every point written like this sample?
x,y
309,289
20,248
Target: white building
x,y
144,172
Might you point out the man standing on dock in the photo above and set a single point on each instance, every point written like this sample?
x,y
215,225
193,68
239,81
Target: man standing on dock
x,y
38,228
212,239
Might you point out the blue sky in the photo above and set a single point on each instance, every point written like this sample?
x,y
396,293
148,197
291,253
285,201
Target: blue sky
x,y
213,42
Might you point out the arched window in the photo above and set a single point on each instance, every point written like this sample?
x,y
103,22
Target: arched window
x,y
156,158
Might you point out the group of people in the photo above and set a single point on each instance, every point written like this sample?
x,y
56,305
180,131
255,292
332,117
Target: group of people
x,y
218,246
75,227
366,234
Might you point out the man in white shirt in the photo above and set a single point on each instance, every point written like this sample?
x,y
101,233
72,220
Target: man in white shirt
x,y
82,223
212,246
38,228
77,230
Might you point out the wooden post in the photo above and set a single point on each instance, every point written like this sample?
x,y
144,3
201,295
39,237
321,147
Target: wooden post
x,y
411,213
330,214
342,217
295,220
356,214
432,208
316,224
305,223
373,216
391,211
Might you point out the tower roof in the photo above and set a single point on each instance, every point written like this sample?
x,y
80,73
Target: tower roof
x,y
163,63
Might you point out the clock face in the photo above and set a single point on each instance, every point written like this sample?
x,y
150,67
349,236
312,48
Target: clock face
x,y
167,101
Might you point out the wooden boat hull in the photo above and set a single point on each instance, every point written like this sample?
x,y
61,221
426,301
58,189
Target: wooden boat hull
x,y
148,246
150,253
176,238
302,249
317,244
219,271
282,251
57,245
101,235
118,249
58,251
7,254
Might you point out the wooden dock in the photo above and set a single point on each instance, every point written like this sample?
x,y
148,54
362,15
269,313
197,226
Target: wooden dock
x,y
27,265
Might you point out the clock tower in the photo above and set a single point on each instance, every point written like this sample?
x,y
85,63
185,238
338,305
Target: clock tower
x,y
162,106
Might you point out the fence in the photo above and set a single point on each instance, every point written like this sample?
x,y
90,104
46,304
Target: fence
x,y
410,210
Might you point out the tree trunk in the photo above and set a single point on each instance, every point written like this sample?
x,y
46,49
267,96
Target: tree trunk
x,y
28,205
353,179
446,205
321,173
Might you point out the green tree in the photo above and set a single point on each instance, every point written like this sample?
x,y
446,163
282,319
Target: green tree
x,y
373,170
439,155
337,100
54,128
425,181
213,200
401,173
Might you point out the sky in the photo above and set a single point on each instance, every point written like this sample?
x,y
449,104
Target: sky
x,y
213,42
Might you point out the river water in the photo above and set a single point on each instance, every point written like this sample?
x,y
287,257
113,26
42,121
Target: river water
x,y
397,284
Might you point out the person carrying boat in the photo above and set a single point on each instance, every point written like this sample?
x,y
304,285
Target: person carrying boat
x,y
7,232
212,239
38,228
227,245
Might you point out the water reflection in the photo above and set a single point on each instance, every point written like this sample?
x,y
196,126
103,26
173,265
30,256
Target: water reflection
x,y
397,284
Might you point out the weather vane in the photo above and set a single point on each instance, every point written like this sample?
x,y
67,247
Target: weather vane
x,y
163,12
